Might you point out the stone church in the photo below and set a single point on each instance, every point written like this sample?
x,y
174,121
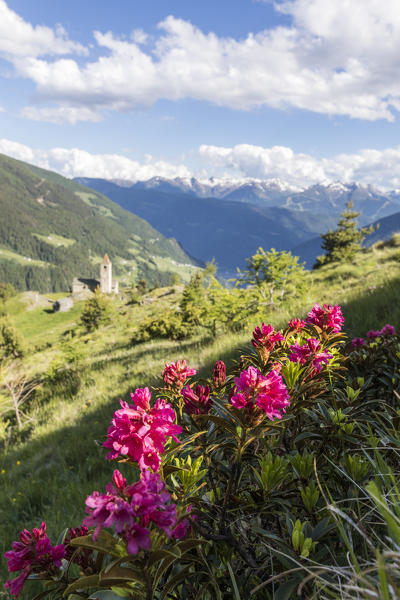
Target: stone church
x,y
81,287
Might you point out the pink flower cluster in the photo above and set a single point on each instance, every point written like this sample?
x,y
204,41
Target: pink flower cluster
x,y
266,337
133,509
139,432
267,392
327,317
387,330
197,401
219,373
176,373
32,554
358,342
309,352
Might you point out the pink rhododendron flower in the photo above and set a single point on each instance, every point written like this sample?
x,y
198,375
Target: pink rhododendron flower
x,y
358,342
309,351
266,337
388,330
297,324
268,392
274,397
32,554
197,400
133,510
140,432
327,317
372,335
219,373
175,374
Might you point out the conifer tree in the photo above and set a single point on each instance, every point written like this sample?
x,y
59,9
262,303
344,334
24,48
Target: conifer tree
x,y
193,304
96,311
346,240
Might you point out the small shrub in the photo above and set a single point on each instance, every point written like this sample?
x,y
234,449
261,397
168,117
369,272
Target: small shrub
x,y
168,326
96,311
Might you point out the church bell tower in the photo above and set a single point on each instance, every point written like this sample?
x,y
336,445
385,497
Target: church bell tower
x,y
106,275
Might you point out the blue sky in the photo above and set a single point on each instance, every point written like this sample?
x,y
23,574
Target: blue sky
x,y
306,91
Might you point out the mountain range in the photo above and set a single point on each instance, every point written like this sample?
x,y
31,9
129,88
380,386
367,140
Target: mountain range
x,y
207,227
228,220
53,229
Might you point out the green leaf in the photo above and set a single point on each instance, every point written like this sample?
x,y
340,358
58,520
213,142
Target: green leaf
x,y
234,584
183,443
284,592
83,583
166,563
105,595
105,543
117,575
159,555
174,581
187,544
170,469
44,594
383,582
224,424
322,528
305,435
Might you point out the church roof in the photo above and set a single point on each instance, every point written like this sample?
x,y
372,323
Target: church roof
x,y
106,260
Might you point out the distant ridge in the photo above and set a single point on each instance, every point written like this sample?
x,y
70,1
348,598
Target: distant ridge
x,y
53,229
329,198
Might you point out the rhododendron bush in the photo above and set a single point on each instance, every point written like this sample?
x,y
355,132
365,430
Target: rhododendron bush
x,y
225,487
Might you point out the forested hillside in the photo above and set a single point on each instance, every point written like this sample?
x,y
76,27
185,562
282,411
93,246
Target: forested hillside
x,y
52,229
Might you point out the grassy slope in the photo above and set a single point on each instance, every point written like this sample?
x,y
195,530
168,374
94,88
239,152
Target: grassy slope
x,y
50,473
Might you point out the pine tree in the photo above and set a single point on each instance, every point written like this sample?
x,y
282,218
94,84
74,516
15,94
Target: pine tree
x,y
193,304
343,243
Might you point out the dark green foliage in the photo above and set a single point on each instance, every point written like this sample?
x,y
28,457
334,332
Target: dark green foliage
x,y
376,368
344,242
96,311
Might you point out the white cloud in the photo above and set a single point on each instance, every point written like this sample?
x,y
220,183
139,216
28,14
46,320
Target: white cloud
x,y
338,58
19,38
380,168
2,109
75,162
61,114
